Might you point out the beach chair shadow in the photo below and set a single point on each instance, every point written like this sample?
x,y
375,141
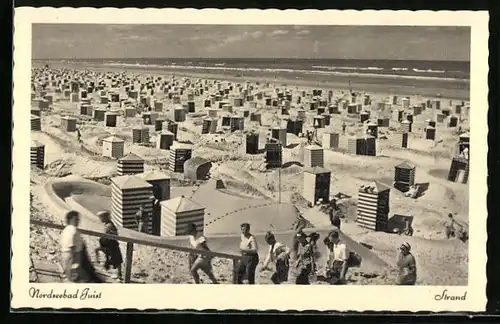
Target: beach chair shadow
x,y
289,164
294,145
366,245
422,188
397,223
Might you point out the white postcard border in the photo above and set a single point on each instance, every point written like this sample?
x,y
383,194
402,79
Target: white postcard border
x,y
260,297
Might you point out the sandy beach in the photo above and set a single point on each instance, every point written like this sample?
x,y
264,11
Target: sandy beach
x,y
441,261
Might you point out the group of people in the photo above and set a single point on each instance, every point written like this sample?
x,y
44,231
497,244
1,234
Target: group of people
x,y
302,255
76,261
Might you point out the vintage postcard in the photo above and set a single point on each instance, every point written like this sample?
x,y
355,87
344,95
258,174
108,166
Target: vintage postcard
x,y
226,159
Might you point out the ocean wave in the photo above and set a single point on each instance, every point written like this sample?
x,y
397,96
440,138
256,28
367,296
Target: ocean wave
x,y
428,71
399,69
370,68
316,71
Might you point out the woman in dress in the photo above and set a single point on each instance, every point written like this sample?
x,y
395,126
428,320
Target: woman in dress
x,y
305,260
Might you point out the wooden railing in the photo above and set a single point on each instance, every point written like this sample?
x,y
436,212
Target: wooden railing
x,y
130,247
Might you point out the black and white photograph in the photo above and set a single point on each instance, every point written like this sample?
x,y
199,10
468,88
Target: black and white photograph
x,y
335,155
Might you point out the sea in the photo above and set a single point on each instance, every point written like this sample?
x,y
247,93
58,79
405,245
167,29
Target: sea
x,y
432,70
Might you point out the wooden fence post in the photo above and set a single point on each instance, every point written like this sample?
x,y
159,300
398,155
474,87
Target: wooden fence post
x,y
128,260
235,271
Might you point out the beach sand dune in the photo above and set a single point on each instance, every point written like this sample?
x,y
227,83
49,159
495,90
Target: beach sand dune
x,y
252,192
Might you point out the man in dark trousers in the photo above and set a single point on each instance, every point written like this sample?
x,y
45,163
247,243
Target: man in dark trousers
x,y
250,251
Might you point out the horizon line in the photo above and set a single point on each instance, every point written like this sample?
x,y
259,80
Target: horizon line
x,y
239,58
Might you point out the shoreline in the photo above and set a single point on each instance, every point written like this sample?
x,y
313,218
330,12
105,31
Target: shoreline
x,y
370,84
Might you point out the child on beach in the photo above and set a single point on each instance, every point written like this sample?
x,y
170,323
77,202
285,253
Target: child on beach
x,y
141,218
280,255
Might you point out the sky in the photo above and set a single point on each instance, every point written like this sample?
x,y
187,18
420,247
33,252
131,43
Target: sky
x,y
53,41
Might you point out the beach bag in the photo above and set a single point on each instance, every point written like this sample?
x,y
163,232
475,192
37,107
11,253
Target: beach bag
x,y
354,260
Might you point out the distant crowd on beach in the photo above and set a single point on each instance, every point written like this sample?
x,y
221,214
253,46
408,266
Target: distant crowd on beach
x,y
301,255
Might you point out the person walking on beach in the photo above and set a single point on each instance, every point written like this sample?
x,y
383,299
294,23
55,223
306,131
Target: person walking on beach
x,y
450,227
198,261
156,215
110,247
305,260
76,262
465,153
335,216
407,266
299,230
337,258
309,135
141,218
280,255
250,252
78,135
313,240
